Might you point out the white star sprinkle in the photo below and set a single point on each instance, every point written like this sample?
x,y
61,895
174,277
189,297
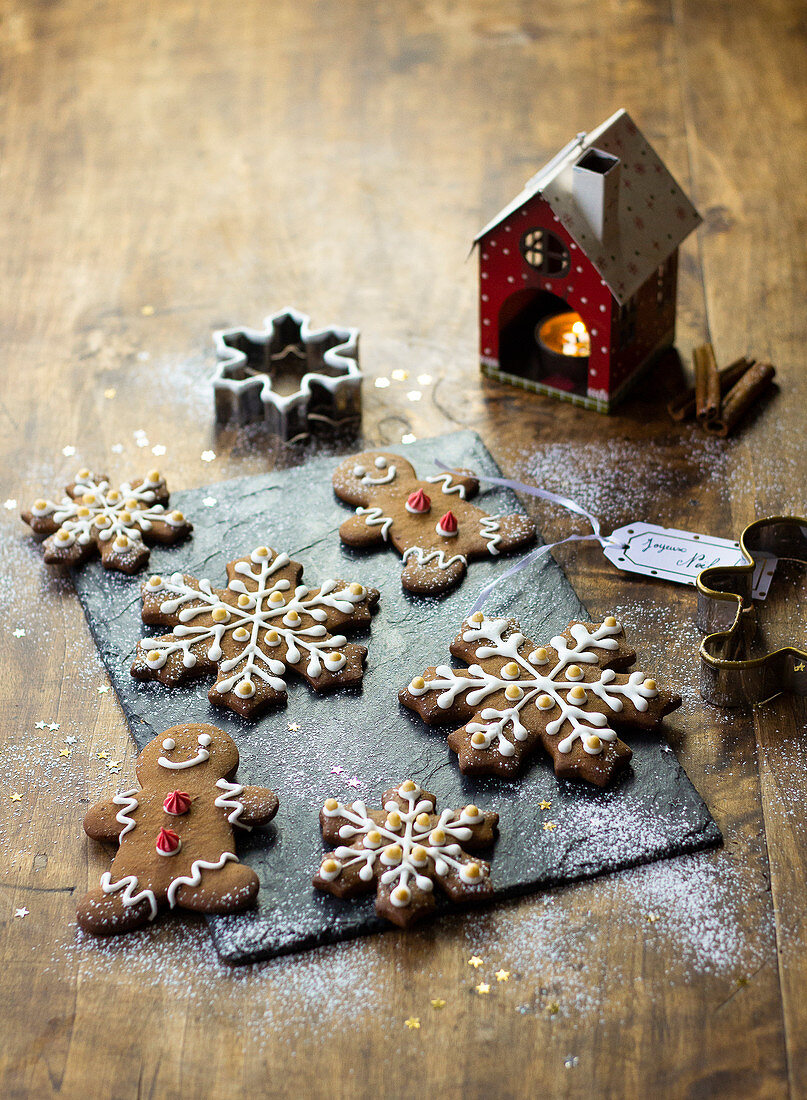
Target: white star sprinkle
x,y
70,739
158,449
210,502
10,504
408,438
424,379
103,689
68,451
142,441
21,912
381,383
117,448
414,395
18,633
41,725
54,726
208,456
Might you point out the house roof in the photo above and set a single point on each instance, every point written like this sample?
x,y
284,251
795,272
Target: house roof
x,y
654,214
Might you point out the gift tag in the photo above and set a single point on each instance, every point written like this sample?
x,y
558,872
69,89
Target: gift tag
x,y
668,553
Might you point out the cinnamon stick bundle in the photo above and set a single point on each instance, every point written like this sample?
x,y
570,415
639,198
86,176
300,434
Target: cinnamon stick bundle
x,y
683,407
707,383
740,398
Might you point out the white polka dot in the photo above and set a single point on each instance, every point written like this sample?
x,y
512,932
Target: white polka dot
x,y
487,351
510,279
604,351
593,332
584,300
486,321
602,309
484,255
578,268
573,245
507,229
506,251
484,297
485,275
492,244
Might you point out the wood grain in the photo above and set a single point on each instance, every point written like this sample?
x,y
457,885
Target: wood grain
x,y
174,167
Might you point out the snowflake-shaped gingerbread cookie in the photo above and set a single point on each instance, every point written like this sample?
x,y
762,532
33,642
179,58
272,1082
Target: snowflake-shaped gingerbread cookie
x,y
516,695
429,522
261,625
403,850
95,518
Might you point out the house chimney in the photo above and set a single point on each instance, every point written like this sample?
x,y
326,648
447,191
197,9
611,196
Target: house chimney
x,y
595,186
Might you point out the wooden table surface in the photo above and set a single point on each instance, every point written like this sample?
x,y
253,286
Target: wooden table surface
x,y
173,167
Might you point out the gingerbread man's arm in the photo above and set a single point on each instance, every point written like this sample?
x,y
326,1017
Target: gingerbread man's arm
x,y
370,527
101,821
260,806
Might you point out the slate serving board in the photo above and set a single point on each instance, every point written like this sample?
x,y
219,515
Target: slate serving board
x,y
653,813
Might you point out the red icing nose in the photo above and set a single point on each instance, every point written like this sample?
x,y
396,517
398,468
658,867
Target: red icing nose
x,y
448,523
418,501
168,842
176,803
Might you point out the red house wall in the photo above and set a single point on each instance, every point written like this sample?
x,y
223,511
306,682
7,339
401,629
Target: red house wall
x,y
503,271
654,322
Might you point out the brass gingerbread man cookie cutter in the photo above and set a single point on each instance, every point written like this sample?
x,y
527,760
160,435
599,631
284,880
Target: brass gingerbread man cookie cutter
x,y
729,677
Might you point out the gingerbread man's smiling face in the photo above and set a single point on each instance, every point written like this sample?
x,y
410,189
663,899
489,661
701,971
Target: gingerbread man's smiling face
x,y
200,754
363,475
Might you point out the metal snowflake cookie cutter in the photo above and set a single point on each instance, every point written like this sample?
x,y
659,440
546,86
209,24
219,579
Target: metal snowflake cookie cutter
x,y
289,375
729,676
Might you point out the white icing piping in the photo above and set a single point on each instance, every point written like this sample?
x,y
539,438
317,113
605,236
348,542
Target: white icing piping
x,y
259,616
129,885
129,802
423,557
376,518
179,765
479,684
195,877
489,530
448,487
231,800
442,856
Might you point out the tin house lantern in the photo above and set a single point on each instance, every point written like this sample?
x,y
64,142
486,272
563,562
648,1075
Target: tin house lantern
x,y
578,274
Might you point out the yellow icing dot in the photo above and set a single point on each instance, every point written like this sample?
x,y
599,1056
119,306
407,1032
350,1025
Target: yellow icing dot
x,y
513,691
419,853
63,536
478,739
545,702
154,475
394,821
356,589
40,505
408,785
374,837
88,498
83,512
401,893
220,614
245,688
177,517
83,473
241,633
113,496
477,617
510,669
101,521
121,542
293,617
272,637
330,866
471,810
244,600
418,683
275,598
578,694
131,502
472,870
649,685
262,552
155,581
126,517
541,653
331,804
394,853
437,836
423,821
154,655
593,741
574,672
609,621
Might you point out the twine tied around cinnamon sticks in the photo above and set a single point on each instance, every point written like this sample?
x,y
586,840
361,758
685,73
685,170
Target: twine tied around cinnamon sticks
x,y
721,396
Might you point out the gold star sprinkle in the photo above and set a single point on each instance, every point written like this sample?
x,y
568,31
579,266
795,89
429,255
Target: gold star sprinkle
x,y
64,752
475,962
102,755
437,1002
552,1009
400,375
544,804
147,311
294,726
15,796
549,826
110,392
413,1023
483,988
113,763
502,975
652,917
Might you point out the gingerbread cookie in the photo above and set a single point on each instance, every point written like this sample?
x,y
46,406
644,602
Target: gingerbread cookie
x,y
430,522
176,845
252,632
403,850
96,519
516,695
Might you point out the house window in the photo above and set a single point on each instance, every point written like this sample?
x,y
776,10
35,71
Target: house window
x,y
627,322
545,252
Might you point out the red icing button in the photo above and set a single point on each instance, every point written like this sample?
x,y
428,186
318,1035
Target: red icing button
x,y
168,842
448,524
418,501
176,803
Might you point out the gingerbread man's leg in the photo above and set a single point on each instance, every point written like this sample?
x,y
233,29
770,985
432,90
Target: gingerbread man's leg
x,y
228,890
106,915
430,573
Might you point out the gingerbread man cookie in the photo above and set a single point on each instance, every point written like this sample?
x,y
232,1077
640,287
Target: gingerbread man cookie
x,y
95,518
403,850
176,833
429,522
516,695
